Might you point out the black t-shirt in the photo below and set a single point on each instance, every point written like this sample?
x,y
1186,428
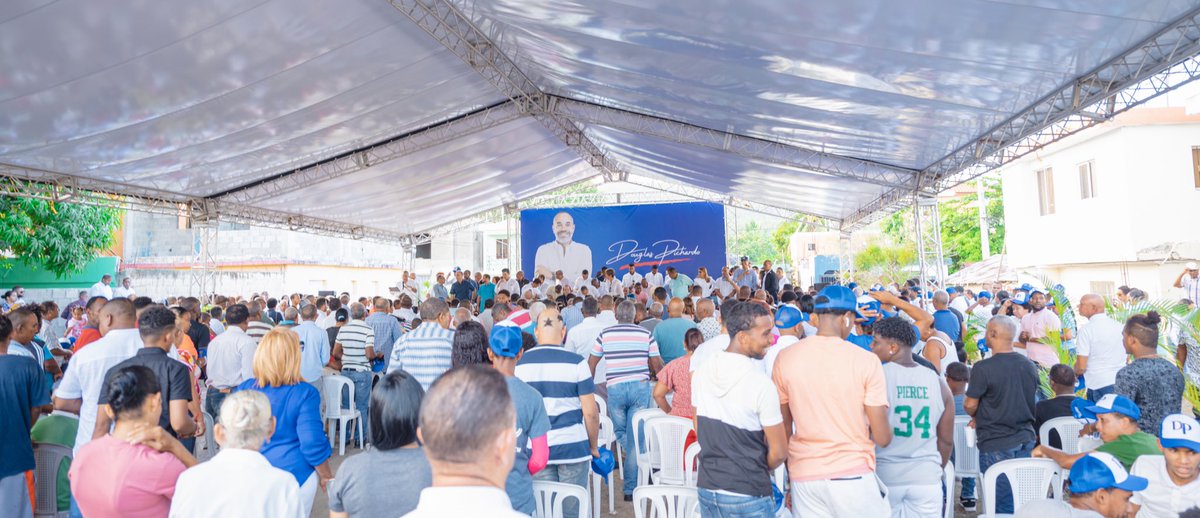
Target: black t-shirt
x,y
1049,409
199,333
174,380
1005,386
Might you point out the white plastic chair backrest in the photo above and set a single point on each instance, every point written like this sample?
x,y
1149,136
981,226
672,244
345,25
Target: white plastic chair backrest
x,y
550,496
640,437
669,437
948,498
966,459
1068,432
607,435
333,395
780,477
47,458
691,470
1089,443
665,501
1030,479
600,402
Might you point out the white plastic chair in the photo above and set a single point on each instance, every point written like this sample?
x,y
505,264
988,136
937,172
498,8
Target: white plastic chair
x,y
210,441
47,458
780,478
666,502
1089,443
1068,433
642,447
341,416
669,437
691,470
1030,479
966,458
948,481
549,498
605,437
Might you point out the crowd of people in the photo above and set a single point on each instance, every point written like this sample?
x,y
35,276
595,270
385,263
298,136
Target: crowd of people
x,y
476,388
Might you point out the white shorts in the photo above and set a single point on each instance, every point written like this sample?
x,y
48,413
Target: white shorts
x,y
915,501
864,496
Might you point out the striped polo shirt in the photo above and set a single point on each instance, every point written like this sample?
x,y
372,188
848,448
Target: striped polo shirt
x,y
627,349
561,377
356,336
423,352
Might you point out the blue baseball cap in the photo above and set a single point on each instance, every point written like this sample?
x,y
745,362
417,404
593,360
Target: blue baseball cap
x,y
984,295
789,316
951,291
852,285
1020,298
1116,404
863,341
1026,287
1079,409
868,302
1098,470
839,298
506,340
1180,431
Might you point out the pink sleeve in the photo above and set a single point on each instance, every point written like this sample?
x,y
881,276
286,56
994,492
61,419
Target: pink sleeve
x,y
540,456
876,385
169,471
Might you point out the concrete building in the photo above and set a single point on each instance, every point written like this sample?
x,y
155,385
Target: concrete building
x,y
1114,205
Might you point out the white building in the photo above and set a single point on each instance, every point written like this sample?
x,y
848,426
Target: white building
x,y
1114,205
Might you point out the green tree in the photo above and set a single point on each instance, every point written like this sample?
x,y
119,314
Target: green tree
x,y
959,226
754,242
58,237
884,263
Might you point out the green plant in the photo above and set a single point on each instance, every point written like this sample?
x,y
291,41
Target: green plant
x,y
58,237
959,225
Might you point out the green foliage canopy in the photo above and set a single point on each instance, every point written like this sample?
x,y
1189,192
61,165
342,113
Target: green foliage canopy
x,y
58,237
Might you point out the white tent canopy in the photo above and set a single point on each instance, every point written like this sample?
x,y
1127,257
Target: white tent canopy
x,y
378,120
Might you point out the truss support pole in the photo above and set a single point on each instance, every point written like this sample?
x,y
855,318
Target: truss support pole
x,y
204,265
846,259
927,223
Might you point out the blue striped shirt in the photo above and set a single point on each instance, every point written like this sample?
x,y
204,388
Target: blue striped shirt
x,y
423,352
561,377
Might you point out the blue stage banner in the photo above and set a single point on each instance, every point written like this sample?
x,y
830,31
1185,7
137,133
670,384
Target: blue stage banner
x,y
684,235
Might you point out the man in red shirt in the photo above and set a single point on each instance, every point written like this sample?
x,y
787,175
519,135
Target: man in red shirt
x,y
90,332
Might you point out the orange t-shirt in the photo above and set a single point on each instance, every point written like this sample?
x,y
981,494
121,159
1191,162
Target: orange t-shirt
x,y
826,383
87,336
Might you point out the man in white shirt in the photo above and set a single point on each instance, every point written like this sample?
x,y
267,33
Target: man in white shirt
x,y
582,280
1189,280
654,277
561,280
404,310
1174,477
958,299
468,430
102,288
563,253
509,284
408,285
583,336
125,289
230,358
79,391
250,486
723,286
1101,348
631,278
982,308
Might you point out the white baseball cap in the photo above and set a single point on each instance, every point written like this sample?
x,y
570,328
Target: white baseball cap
x,y
1180,431
1191,265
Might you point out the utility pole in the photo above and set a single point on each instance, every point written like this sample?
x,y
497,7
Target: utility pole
x,y
981,201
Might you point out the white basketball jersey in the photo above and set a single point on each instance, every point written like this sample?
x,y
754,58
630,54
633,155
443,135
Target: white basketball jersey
x,y
915,405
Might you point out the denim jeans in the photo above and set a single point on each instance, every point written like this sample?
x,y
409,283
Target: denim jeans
x,y
1004,499
624,400
719,505
362,395
575,473
968,488
212,403
1094,395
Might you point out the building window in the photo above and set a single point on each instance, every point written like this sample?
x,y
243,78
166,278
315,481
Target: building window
x,y
502,248
1045,180
1087,182
1196,165
1104,288
812,247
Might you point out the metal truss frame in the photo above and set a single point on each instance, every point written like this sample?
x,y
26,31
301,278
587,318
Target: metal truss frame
x,y
927,222
443,21
204,265
747,147
360,159
1159,64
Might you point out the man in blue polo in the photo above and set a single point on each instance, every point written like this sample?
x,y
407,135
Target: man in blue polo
x,y
1100,487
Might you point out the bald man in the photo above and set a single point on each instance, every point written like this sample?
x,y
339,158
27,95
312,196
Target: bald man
x,y
1100,350
1000,396
79,391
669,333
565,383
